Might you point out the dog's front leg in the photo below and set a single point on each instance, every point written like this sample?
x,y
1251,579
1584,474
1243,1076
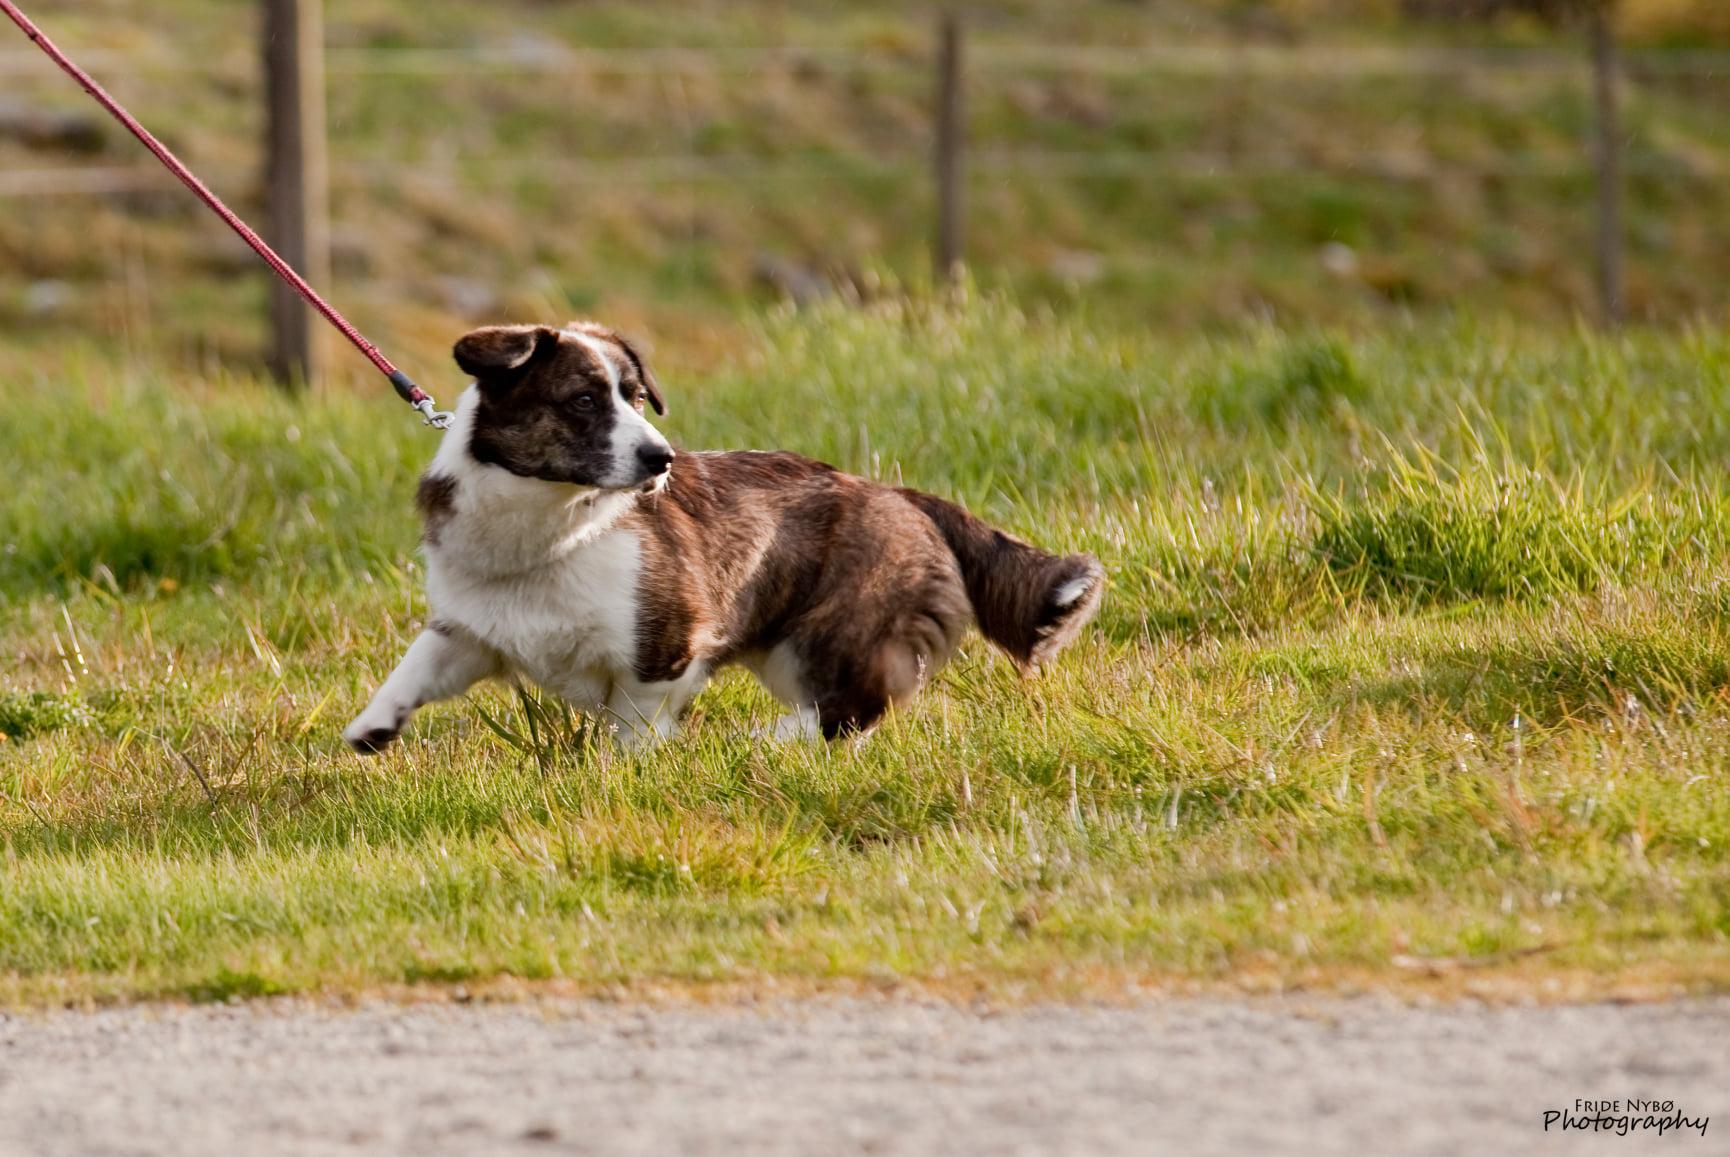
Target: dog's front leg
x,y
440,664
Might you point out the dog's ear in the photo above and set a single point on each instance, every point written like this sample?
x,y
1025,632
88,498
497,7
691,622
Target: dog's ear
x,y
498,351
650,386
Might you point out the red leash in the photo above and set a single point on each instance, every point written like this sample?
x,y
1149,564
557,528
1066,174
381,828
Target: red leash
x,y
406,389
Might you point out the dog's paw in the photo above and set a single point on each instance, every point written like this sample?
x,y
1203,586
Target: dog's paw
x,y
369,739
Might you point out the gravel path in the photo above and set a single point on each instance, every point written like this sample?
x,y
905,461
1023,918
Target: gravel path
x,y
839,1076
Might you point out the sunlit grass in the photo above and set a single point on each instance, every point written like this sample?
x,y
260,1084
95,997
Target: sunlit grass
x,y
1416,648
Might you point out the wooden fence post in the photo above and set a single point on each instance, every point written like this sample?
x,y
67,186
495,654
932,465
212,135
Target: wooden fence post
x,y
948,252
1608,157
296,179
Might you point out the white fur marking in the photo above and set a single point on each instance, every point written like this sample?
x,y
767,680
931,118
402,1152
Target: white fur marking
x,y
630,429
778,670
608,366
567,624
643,714
1072,590
538,570
799,723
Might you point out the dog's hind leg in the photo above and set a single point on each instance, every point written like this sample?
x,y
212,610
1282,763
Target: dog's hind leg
x,y
779,671
643,714
853,679
802,722
441,664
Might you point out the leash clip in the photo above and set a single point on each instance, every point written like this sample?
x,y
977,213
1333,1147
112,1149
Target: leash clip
x,y
436,418
421,400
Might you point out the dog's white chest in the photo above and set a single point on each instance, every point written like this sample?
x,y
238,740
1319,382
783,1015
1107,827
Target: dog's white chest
x,y
569,625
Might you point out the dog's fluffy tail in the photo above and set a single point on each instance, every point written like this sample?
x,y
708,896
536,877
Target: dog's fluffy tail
x,y
1030,603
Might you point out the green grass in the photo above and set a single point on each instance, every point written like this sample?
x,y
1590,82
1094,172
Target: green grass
x,y
1417,646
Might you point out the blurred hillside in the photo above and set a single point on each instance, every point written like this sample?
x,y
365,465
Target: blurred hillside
x,y
1164,164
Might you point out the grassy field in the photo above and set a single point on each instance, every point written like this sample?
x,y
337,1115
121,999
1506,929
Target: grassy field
x,y
1413,669
1285,159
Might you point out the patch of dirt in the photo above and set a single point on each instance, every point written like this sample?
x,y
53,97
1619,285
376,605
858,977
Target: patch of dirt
x,y
854,1074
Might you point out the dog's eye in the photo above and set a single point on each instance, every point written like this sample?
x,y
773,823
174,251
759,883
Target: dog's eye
x,y
585,402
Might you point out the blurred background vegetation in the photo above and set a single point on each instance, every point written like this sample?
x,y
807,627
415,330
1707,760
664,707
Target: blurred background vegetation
x,y
1157,164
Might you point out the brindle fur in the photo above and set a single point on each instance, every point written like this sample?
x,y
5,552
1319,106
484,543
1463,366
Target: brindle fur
x,y
870,587
1013,587
845,595
744,552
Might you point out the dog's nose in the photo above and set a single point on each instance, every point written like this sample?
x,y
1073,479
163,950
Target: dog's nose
x,y
656,458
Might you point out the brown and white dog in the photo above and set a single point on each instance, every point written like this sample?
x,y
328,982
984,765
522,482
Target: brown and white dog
x,y
568,544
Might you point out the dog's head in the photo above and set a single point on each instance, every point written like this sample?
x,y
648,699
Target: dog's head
x,y
564,405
